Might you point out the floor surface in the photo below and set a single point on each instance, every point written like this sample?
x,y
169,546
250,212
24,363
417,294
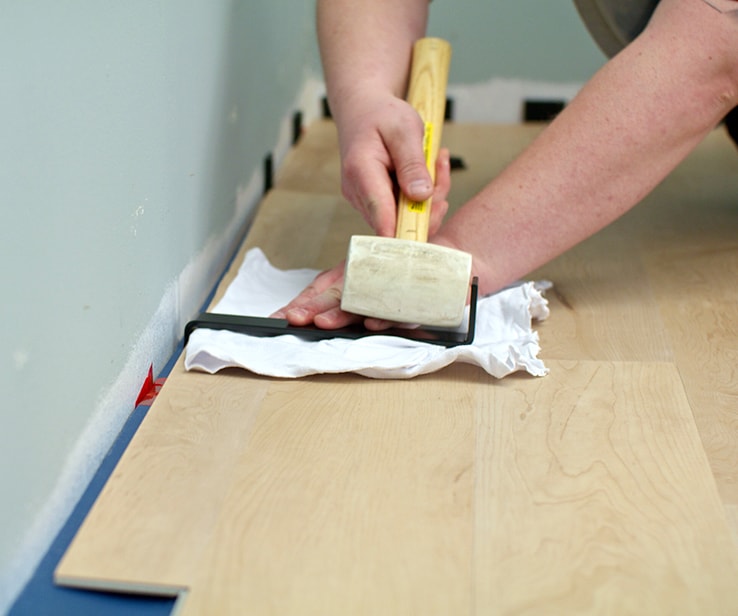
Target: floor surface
x,y
609,486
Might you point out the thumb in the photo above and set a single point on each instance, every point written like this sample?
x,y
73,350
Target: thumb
x,y
411,170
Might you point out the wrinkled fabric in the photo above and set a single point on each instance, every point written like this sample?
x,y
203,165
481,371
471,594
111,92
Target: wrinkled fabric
x,y
505,341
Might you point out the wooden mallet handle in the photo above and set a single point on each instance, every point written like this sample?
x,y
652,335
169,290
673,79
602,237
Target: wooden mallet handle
x,y
427,94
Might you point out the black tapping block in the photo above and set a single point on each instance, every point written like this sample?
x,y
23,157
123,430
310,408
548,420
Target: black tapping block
x,y
263,326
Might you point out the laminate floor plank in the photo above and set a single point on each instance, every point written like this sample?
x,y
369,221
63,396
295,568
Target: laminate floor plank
x,y
152,521
354,498
297,230
688,238
594,496
602,304
293,229
314,165
732,514
699,303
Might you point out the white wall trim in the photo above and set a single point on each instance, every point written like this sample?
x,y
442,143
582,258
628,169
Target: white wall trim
x,y
500,101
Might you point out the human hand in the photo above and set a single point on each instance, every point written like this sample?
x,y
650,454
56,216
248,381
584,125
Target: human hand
x,y
382,140
319,302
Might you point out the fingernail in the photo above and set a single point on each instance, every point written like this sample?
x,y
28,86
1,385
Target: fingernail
x,y
324,321
418,187
297,313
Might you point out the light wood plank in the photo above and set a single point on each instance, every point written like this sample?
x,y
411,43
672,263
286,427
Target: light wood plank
x,y
292,228
674,297
152,521
297,230
687,234
354,497
732,513
140,533
602,304
699,302
594,496
313,166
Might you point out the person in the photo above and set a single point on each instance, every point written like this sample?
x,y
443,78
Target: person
x,y
630,125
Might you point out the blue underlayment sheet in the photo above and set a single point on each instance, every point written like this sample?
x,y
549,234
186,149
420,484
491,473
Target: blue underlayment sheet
x,y
505,341
41,597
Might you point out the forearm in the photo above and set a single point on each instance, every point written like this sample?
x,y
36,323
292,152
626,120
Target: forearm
x,y
624,132
365,47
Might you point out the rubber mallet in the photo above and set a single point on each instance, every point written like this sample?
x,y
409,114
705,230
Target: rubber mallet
x,y
405,279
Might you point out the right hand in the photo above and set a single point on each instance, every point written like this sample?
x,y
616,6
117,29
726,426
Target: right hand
x,y
380,137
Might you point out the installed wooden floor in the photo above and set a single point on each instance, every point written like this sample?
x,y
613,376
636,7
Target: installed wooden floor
x,y
609,486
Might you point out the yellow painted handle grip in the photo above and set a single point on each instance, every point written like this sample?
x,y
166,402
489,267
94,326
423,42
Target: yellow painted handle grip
x,y
427,94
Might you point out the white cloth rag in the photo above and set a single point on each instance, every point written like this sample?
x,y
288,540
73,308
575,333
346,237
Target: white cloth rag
x,y
504,342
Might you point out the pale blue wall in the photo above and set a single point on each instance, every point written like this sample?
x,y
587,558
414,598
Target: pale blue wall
x,y
128,128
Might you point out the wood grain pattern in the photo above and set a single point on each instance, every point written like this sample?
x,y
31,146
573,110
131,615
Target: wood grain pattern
x,y
279,230
688,237
731,512
606,487
314,166
369,473
427,95
698,299
602,305
594,496
156,513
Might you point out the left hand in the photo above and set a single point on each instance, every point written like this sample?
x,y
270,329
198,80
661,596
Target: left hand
x,y
320,303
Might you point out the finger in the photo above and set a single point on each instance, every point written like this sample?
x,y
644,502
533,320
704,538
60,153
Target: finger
x,y
440,204
320,303
332,278
405,145
335,318
443,175
324,311
369,188
306,312
376,325
439,210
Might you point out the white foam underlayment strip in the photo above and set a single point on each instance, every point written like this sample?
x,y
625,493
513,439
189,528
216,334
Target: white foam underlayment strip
x,y
497,101
500,101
